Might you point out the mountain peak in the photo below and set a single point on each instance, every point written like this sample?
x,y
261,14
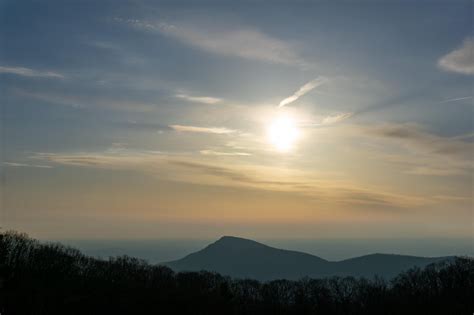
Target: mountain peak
x,y
234,241
230,238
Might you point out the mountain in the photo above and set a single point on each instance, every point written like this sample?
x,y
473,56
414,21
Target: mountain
x,y
243,258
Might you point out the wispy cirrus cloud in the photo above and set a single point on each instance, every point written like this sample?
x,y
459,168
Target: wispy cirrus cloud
x,y
207,172
302,91
244,43
326,120
28,72
221,153
460,60
433,171
456,99
332,119
140,125
216,130
14,164
419,138
426,153
83,100
116,50
199,99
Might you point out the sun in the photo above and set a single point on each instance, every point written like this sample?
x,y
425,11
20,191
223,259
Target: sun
x,y
283,132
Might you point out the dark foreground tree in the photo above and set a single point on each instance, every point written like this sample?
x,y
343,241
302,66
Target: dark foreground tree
x,y
50,279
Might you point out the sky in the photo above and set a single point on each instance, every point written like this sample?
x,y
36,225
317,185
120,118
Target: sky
x,y
162,120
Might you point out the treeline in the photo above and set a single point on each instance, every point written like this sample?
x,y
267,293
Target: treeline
x,y
37,278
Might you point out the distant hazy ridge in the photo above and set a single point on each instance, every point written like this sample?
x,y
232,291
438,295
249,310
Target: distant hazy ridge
x,y
243,258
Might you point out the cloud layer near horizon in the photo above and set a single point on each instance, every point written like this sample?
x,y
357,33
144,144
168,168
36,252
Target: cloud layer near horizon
x,y
187,169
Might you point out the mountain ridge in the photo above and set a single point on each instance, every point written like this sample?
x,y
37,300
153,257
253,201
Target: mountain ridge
x,y
244,258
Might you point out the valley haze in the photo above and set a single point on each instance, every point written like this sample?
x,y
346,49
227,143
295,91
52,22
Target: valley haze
x,y
160,250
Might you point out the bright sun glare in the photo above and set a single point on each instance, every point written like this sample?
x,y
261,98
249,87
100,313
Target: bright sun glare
x,y
282,133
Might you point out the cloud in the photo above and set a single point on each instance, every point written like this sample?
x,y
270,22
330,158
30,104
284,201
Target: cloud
x,y
219,153
327,120
456,99
199,99
464,136
13,164
85,100
115,50
243,43
104,45
460,60
426,153
453,198
303,90
413,135
27,72
335,118
216,130
213,173
432,171
140,125
267,178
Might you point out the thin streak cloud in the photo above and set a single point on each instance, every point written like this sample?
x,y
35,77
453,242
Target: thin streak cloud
x,y
84,100
199,99
14,164
216,130
456,99
27,72
220,153
302,91
329,120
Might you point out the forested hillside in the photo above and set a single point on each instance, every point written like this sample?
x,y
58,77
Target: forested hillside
x,y
37,278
